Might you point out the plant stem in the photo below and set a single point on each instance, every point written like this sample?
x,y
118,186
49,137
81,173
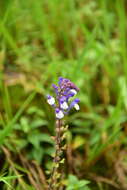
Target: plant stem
x,y
55,176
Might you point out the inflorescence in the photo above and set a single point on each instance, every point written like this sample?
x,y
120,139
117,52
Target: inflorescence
x,y
64,92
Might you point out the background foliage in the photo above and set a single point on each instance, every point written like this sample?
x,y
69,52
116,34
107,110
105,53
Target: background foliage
x,y
85,41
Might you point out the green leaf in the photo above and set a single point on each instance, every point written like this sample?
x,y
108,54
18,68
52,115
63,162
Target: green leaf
x,y
36,138
5,179
75,184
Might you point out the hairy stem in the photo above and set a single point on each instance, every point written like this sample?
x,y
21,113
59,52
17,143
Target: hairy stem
x,y
55,175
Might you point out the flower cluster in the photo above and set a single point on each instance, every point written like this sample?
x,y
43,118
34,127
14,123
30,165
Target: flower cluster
x,y
64,92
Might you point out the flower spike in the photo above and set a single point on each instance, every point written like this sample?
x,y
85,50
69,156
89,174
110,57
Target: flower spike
x,y
64,91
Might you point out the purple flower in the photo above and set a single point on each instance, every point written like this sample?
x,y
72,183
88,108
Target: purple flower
x,y
50,100
64,92
74,104
59,113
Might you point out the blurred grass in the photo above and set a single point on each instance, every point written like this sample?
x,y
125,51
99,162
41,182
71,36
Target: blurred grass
x,y
82,40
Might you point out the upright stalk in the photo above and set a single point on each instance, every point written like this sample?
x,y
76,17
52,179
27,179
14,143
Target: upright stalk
x,y
55,175
62,105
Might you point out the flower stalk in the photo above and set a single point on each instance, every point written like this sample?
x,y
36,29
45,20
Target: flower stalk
x,y
55,174
62,105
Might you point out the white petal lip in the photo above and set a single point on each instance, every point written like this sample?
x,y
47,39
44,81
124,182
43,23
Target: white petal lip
x,y
60,115
76,106
64,106
73,91
51,101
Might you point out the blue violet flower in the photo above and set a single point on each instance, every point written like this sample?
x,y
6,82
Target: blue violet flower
x,y
64,92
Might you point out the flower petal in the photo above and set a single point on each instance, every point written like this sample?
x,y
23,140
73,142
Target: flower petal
x,y
50,100
59,114
64,105
76,106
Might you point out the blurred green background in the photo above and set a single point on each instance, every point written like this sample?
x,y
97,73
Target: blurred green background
x,y
85,41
